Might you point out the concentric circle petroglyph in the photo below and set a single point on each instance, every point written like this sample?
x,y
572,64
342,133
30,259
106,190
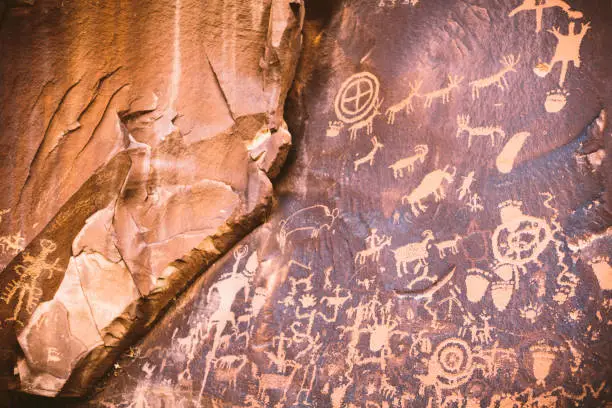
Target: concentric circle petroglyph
x,y
357,97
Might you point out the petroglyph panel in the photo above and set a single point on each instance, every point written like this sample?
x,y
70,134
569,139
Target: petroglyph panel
x,y
440,236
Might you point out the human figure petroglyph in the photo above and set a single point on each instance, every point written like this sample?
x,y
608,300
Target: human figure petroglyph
x,y
367,123
380,333
463,125
328,281
363,312
408,163
499,78
305,310
432,184
279,358
475,203
568,49
227,289
311,219
414,252
449,246
452,300
374,245
306,313
539,5
369,158
310,369
365,283
478,335
305,284
443,93
25,288
404,104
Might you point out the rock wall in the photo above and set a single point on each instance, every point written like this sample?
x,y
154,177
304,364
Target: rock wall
x,y
136,149
441,233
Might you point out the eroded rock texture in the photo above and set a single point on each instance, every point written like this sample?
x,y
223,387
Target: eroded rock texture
x,y
442,231
138,143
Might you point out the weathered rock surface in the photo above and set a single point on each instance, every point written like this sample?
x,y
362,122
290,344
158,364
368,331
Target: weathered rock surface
x,y
138,142
442,231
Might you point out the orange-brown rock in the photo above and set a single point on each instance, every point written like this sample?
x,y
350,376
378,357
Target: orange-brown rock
x,y
131,135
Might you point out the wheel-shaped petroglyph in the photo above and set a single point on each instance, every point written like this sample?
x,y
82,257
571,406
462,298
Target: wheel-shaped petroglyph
x,y
520,238
357,97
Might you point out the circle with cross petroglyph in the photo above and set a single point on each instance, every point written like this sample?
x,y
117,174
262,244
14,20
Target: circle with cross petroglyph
x,y
357,97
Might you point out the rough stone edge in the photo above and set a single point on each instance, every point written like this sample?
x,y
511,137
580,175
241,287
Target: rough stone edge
x,y
141,315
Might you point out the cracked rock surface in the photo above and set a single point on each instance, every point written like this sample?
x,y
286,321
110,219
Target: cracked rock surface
x,y
138,143
440,234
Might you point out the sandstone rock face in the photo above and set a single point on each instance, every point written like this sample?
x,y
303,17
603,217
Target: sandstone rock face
x,y
138,143
440,238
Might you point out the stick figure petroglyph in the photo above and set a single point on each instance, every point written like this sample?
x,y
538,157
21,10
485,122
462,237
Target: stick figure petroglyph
x,y
328,281
375,245
227,289
381,331
26,288
568,49
540,5
475,203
